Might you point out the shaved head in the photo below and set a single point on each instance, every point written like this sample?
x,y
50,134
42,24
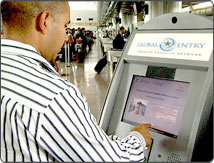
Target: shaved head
x,y
19,15
41,24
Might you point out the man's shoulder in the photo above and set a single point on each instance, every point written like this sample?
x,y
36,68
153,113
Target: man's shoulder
x,y
117,36
31,79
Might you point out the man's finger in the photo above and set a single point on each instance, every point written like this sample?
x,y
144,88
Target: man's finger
x,y
148,125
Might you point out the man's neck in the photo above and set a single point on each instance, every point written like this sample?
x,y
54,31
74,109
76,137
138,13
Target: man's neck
x,y
24,38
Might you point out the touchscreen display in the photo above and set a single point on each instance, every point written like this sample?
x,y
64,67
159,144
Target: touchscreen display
x,y
159,102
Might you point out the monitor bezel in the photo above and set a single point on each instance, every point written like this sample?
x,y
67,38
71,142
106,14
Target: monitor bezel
x,y
152,129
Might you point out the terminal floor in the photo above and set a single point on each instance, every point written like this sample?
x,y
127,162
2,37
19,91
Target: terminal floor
x,y
93,86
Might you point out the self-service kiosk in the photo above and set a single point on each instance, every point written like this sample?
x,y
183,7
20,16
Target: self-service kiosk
x,y
165,78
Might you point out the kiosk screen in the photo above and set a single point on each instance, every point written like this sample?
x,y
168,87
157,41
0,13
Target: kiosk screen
x,y
159,102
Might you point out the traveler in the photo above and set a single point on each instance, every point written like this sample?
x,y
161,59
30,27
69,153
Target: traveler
x,y
118,42
44,117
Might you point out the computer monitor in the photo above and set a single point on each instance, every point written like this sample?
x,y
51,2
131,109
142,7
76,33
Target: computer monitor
x,y
157,101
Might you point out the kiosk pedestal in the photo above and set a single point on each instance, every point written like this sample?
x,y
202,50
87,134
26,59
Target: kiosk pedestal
x,y
165,78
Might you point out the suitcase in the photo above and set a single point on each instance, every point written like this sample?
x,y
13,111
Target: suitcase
x,y
100,64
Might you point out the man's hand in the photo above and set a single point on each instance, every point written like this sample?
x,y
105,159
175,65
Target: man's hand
x,y
143,129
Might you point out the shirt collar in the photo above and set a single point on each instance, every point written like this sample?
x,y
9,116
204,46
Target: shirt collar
x,y
11,45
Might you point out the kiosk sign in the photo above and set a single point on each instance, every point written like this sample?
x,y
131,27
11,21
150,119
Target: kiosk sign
x,y
189,46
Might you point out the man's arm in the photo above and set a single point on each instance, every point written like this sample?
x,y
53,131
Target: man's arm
x,y
69,133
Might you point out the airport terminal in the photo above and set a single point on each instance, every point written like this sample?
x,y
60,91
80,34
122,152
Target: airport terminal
x,y
134,62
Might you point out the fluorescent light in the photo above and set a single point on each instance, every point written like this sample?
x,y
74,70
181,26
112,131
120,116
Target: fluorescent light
x,y
198,6
202,5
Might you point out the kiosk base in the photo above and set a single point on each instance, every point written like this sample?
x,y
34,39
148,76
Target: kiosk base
x,y
204,148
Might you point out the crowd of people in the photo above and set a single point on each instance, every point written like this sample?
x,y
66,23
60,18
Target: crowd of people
x,y
80,42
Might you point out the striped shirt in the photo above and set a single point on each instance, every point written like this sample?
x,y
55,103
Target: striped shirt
x,y
45,118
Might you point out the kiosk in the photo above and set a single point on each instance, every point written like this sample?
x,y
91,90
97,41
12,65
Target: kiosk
x,y
165,78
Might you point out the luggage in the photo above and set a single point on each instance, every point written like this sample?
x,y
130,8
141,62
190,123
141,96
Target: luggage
x,y
100,64
81,57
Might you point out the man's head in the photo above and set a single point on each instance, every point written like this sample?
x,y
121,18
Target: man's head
x,y
69,30
83,30
122,30
39,23
139,105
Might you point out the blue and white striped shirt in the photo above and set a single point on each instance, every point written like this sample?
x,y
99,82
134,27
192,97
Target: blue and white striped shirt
x,y
45,118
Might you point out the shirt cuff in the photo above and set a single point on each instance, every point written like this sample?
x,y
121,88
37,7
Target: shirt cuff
x,y
140,138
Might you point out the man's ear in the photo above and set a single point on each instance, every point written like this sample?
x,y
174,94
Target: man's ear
x,y
43,21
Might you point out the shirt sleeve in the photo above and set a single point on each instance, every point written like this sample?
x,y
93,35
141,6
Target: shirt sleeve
x,y
69,132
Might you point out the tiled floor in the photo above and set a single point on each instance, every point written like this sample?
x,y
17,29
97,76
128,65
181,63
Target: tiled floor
x,y
93,86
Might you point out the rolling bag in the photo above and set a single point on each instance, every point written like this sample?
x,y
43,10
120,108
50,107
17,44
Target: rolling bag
x,y
100,64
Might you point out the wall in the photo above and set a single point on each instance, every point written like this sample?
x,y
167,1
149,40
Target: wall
x,y
84,15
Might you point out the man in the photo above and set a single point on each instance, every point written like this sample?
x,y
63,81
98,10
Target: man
x,y
140,108
43,117
77,32
71,42
84,43
118,42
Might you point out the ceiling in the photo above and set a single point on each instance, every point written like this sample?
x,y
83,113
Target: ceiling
x,y
110,9
189,3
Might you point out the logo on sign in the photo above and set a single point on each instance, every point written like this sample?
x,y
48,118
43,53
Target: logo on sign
x,y
167,44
